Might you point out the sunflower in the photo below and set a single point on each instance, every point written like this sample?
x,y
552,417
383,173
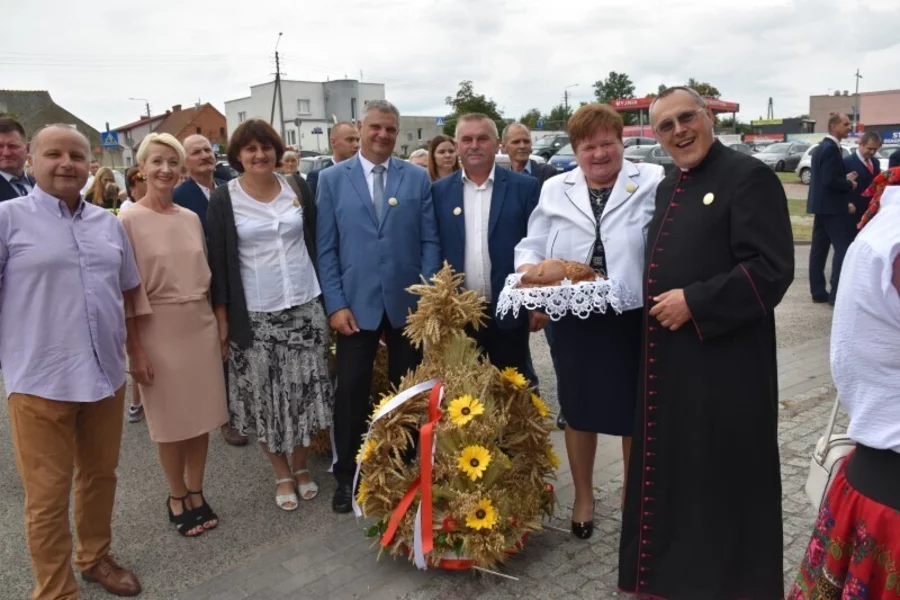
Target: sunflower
x,y
553,457
542,409
362,495
381,404
483,517
464,409
511,375
474,460
366,451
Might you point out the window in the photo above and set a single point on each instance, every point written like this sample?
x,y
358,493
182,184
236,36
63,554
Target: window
x,y
303,107
242,116
419,133
198,131
222,132
352,108
408,137
405,149
292,137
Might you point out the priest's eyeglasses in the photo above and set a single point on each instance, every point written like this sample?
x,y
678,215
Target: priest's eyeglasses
x,y
684,119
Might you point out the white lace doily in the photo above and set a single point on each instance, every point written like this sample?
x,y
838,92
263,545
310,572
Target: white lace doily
x,y
580,299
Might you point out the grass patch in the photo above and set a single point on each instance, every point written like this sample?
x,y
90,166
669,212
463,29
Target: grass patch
x,y
802,232
797,207
789,177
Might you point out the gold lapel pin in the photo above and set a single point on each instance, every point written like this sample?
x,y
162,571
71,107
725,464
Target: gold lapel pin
x,y
457,211
296,202
630,188
708,199
392,202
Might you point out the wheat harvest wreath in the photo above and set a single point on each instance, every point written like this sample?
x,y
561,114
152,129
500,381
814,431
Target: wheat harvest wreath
x,y
456,462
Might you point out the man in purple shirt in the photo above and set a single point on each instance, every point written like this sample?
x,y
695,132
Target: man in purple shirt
x,y
64,266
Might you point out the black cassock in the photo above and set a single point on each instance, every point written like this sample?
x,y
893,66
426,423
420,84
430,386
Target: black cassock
x,y
702,515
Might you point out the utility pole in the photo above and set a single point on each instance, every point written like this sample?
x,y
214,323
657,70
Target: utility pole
x,y
276,92
566,102
856,102
146,104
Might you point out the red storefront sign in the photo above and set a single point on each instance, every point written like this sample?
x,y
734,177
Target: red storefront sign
x,y
630,104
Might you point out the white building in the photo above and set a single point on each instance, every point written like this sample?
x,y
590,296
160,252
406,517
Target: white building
x,y
309,107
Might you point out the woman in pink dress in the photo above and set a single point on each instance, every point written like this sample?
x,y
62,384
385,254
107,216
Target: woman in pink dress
x,y
173,339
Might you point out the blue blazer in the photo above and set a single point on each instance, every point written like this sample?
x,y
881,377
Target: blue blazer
x,y
190,196
312,178
7,191
863,181
829,188
514,197
367,267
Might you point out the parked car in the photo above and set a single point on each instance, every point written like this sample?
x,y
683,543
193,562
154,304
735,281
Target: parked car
x,y
658,156
225,171
503,159
740,147
884,155
311,163
637,154
550,145
628,142
783,156
564,159
803,169
760,145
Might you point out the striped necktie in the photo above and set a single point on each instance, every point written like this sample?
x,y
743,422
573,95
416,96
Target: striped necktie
x,y
19,183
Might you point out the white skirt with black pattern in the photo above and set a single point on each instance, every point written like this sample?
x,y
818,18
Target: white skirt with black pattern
x,y
279,389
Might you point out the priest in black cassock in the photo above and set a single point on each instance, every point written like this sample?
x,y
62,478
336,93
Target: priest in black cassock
x,y
702,517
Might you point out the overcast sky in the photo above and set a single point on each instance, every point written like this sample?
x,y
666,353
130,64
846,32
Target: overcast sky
x,y
521,53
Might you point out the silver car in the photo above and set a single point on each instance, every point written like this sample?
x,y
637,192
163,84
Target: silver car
x,y
804,167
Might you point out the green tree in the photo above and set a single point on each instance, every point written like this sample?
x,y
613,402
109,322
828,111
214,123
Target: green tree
x,y
467,101
531,118
727,124
617,85
558,117
707,90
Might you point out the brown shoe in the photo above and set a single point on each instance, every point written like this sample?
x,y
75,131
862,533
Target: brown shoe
x,y
115,579
233,436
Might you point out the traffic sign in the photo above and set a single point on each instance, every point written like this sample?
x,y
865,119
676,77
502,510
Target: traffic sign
x,y
297,122
110,139
439,121
540,124
217,147
317,131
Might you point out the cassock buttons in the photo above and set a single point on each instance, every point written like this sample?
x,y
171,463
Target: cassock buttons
x,y
457,211
392,202
630,188
708,199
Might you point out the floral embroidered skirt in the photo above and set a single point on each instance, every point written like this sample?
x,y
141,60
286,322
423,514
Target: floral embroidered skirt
x,y
854,553
279,388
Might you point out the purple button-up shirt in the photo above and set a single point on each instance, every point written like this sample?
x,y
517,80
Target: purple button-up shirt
x,y
62,316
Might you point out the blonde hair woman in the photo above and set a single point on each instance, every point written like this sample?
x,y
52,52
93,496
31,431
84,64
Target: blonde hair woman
x,y
173,339
101,193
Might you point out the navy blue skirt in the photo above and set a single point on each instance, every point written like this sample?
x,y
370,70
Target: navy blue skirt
x,y
597,361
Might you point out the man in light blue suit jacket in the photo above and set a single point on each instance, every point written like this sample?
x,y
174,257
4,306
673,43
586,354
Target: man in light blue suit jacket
x,y
376,237
482,213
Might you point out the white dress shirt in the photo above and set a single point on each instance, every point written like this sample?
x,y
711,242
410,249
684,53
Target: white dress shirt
x,y
865,335
477,211
865,161
8,177
370,176
275,266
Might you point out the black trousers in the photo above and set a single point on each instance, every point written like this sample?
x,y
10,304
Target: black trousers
x,y
507,348
352,406
828,230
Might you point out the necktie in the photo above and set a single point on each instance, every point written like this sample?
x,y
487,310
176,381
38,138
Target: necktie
x,y
869,166
378,190
19,184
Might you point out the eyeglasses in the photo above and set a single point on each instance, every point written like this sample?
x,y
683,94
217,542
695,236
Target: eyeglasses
x,y
684,119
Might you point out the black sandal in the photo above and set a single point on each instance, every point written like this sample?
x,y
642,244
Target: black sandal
x,y
186,521
204,513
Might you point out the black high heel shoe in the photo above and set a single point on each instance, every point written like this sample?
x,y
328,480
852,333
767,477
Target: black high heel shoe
x,y
583,530
204,513
186,521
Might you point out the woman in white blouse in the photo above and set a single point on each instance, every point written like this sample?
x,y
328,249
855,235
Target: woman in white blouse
x,y
855,547
267,299
597,214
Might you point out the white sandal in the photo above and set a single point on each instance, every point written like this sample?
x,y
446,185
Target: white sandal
x,y
308,491
282,500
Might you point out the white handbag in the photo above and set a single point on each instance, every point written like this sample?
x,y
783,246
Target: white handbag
x,y
830,453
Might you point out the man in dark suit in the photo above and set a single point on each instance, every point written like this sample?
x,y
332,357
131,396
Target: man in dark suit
x,y
200,162
344,144
830,201
894,160
13,154
482,213
866,166
517,144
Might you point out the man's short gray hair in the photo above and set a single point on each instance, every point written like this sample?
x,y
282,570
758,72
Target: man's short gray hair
x,y
870,136
683,88
418,153
507,129
467,118
381,106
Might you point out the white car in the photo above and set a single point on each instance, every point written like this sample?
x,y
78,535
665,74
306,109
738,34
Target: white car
x,y
311,163
804,171
503,159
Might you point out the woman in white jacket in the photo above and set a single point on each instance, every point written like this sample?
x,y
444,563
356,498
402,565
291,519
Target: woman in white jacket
x,y
596,214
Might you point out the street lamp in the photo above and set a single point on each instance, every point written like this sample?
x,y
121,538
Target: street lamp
x,y
146,103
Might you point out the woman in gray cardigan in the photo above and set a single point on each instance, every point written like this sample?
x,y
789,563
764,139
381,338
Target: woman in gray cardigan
x,y
266,295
